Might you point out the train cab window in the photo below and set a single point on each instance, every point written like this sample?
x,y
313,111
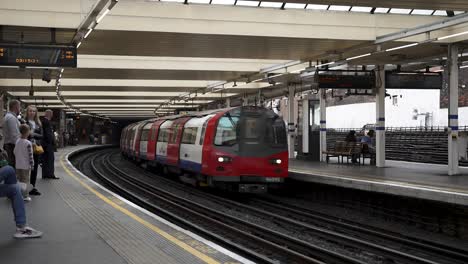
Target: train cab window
x,y
251,128
190,135
226,134
276,132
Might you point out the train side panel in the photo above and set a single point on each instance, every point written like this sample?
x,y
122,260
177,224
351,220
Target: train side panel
x,y
173,146
144,140
152,140
161,145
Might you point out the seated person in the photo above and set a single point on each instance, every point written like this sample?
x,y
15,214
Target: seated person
x,y
11,189
369,140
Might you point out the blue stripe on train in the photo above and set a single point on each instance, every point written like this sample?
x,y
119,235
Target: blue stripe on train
x,y
190,165
161,159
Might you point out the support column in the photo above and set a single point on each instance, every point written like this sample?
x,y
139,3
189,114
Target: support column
x,y
291,124
323,123
61,128
245,100
452,67
305,125
228,102
2,115
380,116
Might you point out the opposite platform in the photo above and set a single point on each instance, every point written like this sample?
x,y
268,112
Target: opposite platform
x,y
85,223
417,180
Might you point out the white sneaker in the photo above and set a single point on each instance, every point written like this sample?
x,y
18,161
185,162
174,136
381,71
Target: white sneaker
x,y
27,232
27,199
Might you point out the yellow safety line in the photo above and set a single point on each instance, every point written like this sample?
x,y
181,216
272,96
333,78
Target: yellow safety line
x,y
166,235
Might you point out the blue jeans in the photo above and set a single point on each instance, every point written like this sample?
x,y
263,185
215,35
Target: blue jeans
x,y
9,188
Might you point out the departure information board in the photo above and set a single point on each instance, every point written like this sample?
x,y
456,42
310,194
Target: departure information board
x,y
338,79
41,56
413,80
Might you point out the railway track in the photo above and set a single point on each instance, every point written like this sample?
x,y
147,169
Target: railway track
x,y
263,242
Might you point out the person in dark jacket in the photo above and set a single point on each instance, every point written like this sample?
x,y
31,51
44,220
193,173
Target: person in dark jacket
x,y
35,125
48,145
351,138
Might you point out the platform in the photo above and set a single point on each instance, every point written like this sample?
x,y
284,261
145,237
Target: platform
x,y
417,180
84,223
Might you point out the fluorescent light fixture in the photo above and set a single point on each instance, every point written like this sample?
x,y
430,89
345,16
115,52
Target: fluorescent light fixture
x,y
61,71
401,11
464,66
89,32
78,45
325,64
339,8
199,1
294,6
381,10
365,9
453,35
402,47
317,7
247,3
424,12
359,56
440,13
223,2
271,4
98,20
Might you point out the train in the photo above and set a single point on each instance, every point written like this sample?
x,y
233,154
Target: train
x,y
242,149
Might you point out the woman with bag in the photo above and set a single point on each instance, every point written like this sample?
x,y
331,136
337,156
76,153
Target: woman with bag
x,y
32,119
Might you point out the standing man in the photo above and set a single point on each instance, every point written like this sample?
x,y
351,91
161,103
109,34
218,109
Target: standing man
x,y
48,145
11,129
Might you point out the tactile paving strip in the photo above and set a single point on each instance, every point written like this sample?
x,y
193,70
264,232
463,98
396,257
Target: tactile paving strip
x,y
124,239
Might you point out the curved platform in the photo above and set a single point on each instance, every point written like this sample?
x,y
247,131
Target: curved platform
x,y
85,223
417,180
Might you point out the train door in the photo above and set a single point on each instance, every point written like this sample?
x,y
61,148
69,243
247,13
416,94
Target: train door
x,y
192,144
153,139
173,146
163,138
144,140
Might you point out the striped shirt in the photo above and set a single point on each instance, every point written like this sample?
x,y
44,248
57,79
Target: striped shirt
x,y
24,154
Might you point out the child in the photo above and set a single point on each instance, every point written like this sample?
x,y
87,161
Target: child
x,y
24,158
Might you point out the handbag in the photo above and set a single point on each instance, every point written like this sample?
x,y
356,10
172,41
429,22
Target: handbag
x,y
37,149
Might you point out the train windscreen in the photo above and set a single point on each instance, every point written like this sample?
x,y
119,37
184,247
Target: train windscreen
x,y
251,130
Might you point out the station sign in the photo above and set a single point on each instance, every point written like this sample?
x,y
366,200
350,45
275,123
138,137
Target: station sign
x,y
36,55
413,80
345,79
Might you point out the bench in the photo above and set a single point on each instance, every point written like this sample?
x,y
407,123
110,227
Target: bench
x,y
344,149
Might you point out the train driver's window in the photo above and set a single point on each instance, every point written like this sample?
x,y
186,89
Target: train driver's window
x,y
226,131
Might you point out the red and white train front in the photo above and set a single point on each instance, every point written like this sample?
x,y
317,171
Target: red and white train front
x,y
241,148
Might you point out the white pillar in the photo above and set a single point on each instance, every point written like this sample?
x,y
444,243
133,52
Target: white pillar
x,y
380,116
228,102
452,65
245,100
291,124
305,125
323,123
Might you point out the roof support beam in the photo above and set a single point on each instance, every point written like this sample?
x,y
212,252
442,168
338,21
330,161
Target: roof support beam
x,y
457,20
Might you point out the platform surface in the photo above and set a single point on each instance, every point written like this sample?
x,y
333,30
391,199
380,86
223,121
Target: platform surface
x,y
418,180
84,223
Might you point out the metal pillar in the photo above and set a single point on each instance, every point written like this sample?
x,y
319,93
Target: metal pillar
x,y
323,122
291,124
452,67
380,116
228,102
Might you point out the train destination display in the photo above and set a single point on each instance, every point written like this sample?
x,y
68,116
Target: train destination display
x,y
40,56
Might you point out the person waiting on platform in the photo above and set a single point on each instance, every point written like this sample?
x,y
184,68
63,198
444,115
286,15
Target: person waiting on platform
x,y
369,139
351,138
10,188
11,129
48,146
32,119
24,159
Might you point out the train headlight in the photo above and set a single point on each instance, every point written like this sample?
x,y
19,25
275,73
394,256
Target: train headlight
x,y
223,159
276,161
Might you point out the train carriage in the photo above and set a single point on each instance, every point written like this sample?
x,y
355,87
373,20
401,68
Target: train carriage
x,y
242,147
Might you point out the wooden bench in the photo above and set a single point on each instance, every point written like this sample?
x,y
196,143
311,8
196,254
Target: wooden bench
x,y
343,149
